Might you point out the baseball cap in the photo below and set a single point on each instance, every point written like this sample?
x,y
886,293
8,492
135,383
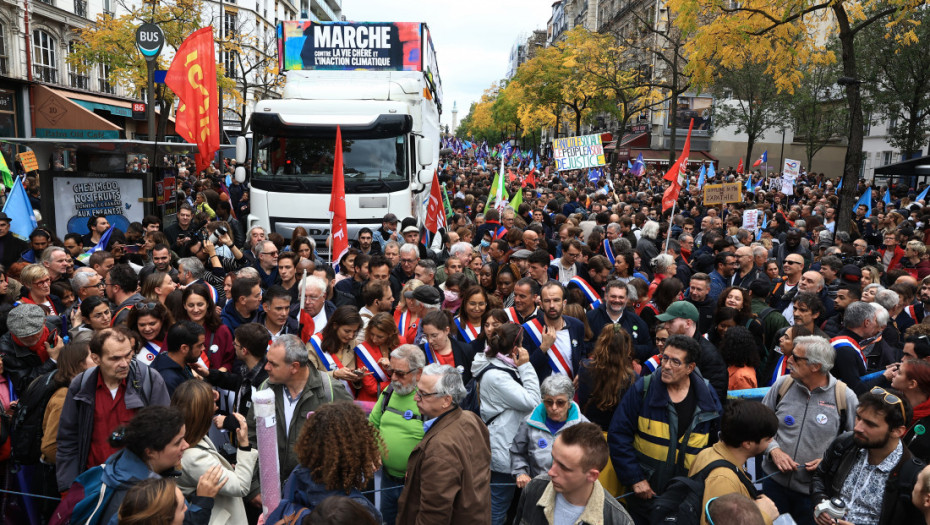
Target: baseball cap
x,y
679,309
426,295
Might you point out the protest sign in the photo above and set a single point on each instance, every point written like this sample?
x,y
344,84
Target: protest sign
x,y
722,193
792,169
751,220
575,153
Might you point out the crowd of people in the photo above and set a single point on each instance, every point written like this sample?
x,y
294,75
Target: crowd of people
x,y
567,361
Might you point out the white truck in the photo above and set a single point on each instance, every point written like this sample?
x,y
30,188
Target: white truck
x,y
379,83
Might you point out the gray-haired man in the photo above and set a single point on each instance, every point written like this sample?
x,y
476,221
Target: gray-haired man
x,y
449,471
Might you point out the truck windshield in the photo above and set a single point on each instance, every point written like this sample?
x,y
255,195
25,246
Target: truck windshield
x,y
305,164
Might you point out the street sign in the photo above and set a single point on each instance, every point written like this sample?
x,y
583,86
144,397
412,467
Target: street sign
x,y
138,111
149,40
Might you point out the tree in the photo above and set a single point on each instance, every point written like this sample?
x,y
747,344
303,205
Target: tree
x,y
112,40
748,100
897,81
817,111
787,33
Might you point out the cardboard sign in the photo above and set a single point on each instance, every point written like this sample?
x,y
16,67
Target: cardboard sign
x,y
28,160
722,193
577,153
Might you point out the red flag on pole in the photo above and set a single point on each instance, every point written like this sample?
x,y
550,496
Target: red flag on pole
x,y
435,214
192,76
530,179
739,167
677,173
337,205
510,176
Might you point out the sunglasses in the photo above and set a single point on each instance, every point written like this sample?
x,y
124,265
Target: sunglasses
x,y
890,399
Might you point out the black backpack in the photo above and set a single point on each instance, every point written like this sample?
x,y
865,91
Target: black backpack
x,y
26,442
472,401
683,499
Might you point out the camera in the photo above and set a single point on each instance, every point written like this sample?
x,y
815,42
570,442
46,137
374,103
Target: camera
x,y
834,507
213,237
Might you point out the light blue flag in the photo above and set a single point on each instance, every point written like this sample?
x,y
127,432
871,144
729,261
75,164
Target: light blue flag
x,y
887,198
765,224
688,186
19,210
701,174
749,183
711,172
639,166
629,165
866,200
838,186
923,194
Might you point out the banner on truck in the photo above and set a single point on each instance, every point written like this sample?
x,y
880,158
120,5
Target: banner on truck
x,y
372,46
576,153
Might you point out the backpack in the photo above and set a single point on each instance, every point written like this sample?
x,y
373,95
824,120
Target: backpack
x,y
839,390
386,398
291,512
472,401
683,499
86,501
26,441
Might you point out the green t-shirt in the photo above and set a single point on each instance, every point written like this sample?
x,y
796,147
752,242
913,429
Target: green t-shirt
x,y
400,435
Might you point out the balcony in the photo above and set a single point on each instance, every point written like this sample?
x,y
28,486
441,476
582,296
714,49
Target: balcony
x,y
322,10
45,74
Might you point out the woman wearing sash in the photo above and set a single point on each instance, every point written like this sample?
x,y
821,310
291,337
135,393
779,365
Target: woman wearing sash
x,y
198,306
373,354
406,321
471,314
443,349
151,321
333,350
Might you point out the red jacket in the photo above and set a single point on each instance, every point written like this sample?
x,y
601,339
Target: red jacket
x,y
896,260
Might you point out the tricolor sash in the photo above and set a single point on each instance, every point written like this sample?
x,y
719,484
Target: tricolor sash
x,y
558,360
366,352
609,252
781,368
469,332
213,293
148,353
329,361
512,315
593,297
653,363
403,321
431,356
500,232
848,342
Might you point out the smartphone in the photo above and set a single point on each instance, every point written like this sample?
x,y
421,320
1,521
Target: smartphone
x,y
52,337
133,248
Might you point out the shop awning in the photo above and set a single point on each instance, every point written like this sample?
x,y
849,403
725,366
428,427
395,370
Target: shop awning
x,y
634,137
652,156
121,108
57,116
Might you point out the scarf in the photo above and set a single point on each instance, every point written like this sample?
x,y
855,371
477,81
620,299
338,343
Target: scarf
x,y
922,410
39,347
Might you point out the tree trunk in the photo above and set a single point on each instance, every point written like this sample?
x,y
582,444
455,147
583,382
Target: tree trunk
x,y
751,143
854,100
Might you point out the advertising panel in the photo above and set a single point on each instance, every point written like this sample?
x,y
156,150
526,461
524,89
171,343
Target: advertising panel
x,y
78,196
372,46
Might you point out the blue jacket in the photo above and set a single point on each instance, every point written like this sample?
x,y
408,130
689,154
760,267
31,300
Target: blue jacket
x,y
539,358
173,373
301,490
642,446
717,285
232,319
637,328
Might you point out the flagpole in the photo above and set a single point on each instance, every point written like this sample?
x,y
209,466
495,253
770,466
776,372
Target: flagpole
x,y
668,236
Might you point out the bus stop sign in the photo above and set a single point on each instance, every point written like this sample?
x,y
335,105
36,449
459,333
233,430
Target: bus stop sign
x,y
149,40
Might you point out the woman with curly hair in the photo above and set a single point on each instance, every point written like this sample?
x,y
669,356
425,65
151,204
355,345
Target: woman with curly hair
x,y
741,359
739,299
151,321
331,467
381,337
606,375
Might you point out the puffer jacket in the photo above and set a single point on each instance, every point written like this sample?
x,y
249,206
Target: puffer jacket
x,y
506,399
531,451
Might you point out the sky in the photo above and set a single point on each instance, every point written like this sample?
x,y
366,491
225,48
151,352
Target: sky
x,y
473,39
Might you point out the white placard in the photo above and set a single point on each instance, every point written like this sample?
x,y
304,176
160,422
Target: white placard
x,y
792,169
787,187
77,198
751,220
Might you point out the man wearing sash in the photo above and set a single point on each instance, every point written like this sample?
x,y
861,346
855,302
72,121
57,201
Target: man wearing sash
x,y
613,311
860,323
591,285
317,309
553,340
525,294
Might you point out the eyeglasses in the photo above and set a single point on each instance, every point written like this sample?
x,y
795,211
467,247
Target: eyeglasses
x,y
99,286
796,358
419,393
273,254
673,361
401,374
43,281
145,307
555,402
793,262
890,399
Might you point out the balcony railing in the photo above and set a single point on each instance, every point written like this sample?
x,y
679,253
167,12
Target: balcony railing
x,y
45,74
79,81
80,8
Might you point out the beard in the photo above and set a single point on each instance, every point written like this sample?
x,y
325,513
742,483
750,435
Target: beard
x,y
865,443
400,389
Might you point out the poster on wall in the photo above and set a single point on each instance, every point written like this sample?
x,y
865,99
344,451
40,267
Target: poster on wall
x,y
77,198
698,108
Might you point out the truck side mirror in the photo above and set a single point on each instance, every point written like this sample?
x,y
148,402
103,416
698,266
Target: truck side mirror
x,y
241,149
424,176
425,152
240,171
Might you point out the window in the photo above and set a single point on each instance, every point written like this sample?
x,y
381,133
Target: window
x,y
44,57
49,2
80,8
103,79
4,64
886,158
892,123
77,75
230,62
107,7
230,25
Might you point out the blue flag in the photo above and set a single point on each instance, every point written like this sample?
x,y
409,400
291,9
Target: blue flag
x,y
701,174
923,194
887,199
838,186
749,183
639,166
711,172
866,200
765,224
629,165
19,210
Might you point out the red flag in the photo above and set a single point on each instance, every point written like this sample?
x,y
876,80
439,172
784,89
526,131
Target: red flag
x,y
337,205
435,214
739,167
530,179
192,76
677,173
510,176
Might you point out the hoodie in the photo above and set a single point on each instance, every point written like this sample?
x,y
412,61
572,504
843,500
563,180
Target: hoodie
x,y
233,320
301,490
